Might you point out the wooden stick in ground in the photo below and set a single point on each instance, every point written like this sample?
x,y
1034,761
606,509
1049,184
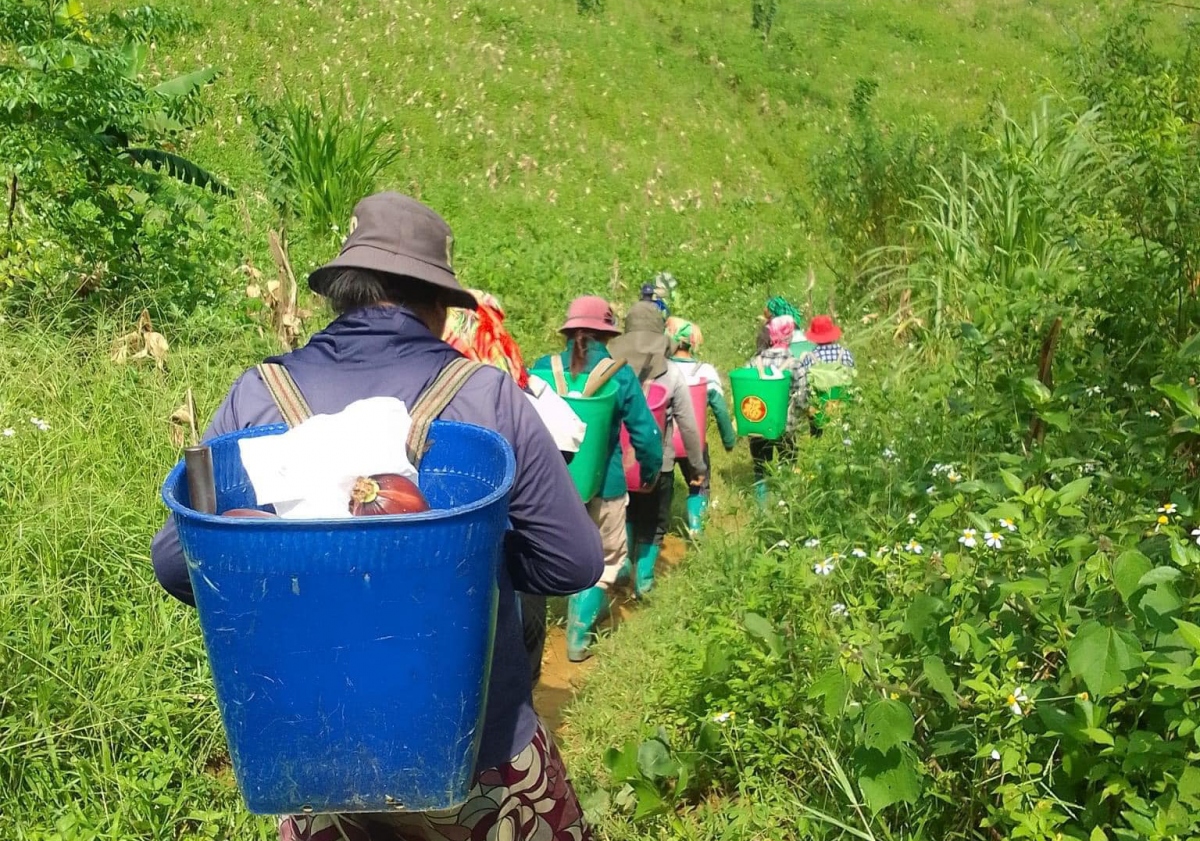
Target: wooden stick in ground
x,y
286,323
1037,429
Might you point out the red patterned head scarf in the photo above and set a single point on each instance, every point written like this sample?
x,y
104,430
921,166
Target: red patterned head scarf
x,y
480,335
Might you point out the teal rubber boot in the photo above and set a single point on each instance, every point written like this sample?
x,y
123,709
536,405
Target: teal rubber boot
x,y
760,494
583,609
647,557
696,506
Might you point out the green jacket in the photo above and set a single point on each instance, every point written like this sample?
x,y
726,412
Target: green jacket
x,y
632,411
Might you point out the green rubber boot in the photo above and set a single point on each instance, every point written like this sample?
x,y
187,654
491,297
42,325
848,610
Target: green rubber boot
x,y
647,556
696,506
583,609
626,570
760,494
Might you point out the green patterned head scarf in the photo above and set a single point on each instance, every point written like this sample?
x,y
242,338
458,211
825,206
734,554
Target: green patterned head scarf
x,y
778,306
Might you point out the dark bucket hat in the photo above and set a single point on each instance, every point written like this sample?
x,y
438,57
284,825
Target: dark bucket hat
x,y
397,235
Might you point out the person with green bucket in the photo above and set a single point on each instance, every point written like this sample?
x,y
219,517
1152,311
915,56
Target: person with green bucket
x,y
645,347
778,306
685,339
589,327
774,352
829,367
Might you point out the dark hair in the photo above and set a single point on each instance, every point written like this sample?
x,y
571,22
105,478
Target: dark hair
x,y
763,340
352,289
582,343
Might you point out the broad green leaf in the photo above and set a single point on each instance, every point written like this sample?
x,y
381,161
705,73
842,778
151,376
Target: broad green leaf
x,y
1059,420
1141,824
1073,492
971,333
1189,785
1103,657
650,801
1190,634
1183,398
622,764
1012,482
956,740
1028,586
1035,391
923,614
939,679
1097,835
1159,575
944,510
1100,737
833,687
887,724
760,628
1128,570
1159,604
654,760
185,84
1190,348
716,661
887,778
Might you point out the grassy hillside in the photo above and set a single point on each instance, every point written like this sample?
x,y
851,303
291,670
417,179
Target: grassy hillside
x,y
571,153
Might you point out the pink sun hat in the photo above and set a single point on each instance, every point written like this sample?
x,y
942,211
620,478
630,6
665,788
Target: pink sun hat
x,y
591,313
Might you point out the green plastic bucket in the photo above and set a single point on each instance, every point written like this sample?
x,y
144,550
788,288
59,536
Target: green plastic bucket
x,y
588,466
760,405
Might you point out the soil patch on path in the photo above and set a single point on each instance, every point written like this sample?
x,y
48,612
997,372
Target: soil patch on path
x,y
562,679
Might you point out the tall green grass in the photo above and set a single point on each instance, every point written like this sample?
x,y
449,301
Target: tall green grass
x,y
107,724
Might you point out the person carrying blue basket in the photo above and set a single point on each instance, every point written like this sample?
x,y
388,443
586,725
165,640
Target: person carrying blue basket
x,y
589,327
390,287
685,339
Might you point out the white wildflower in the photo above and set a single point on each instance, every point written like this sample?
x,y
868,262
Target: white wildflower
x,y
722,718
1094,391
1167,508
912,518
9,433
1153,413
838,610
783,544
914,547
889,454
847,442
40,424
953,477
824,567
812,543
995,755
1008,524
1018,701
858,553
967,538
993,539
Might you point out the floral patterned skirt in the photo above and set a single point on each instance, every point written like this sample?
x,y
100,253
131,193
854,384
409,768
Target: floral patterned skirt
x,y
529,799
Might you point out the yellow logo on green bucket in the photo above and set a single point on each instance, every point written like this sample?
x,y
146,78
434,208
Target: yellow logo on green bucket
x,y
754,409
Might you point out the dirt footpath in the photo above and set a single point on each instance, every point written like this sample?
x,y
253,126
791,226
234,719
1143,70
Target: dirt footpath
x,y
562,679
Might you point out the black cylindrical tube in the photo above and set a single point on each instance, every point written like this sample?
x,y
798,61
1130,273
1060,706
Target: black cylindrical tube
x,y
202,487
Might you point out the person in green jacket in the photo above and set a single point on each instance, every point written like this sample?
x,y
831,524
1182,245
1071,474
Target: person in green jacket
x,y
590,325
685,341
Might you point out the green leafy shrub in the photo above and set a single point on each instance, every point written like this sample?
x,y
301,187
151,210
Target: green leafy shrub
x,y
90,153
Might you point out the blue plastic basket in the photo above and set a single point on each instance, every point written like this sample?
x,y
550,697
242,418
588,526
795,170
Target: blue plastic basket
x,y
351,657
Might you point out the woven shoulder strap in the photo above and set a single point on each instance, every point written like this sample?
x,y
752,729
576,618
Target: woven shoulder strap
x,y
425,411
433,402
560,375
285,393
